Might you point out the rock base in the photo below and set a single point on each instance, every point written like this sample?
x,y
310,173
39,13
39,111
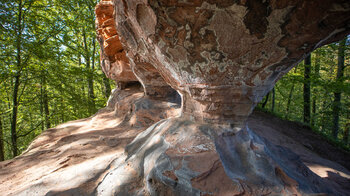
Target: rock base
x,y
180,157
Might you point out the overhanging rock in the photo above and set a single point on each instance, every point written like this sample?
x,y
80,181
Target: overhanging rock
x,y
222,57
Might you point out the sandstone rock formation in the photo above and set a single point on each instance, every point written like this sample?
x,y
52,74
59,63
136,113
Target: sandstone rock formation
x,y
79,157
222,57
73,158
114,62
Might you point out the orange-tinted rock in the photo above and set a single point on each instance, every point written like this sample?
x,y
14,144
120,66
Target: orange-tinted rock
x,y
115,63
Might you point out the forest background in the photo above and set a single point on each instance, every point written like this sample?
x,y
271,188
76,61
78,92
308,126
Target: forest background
x,y
50,74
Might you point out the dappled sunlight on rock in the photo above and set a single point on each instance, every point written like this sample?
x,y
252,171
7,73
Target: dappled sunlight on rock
x,y
189,75
75,155
323,170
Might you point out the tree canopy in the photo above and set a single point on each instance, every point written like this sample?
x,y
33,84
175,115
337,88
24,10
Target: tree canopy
x,y
49,68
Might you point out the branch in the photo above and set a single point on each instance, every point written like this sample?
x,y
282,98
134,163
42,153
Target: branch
x,y
7,111
8,143
33,129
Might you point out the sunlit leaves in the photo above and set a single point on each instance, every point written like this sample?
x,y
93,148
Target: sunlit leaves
x,y
53,60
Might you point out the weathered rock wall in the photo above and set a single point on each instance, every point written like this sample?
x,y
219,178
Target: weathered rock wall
x,y
224,56
114,61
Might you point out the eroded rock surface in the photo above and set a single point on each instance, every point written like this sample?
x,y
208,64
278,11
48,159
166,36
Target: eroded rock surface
x,y
222,57
181,157
88,156
114,62
73,158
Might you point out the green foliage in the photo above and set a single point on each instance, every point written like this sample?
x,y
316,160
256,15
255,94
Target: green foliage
x,y
42,42
324,84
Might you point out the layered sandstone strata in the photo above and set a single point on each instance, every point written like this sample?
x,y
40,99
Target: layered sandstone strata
x,y
114,62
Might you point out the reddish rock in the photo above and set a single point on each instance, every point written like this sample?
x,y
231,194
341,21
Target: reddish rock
x,y
174,157
222,57
72,158
114,62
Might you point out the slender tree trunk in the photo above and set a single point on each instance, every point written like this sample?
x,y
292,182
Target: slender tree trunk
x,y
337,94
2,153
42,104
107,86
79,80
266,99
63,119
324,116
46,103
307,93
347,129
346,133
14,116
290,96
273,100
91,74
17,81
315,92
91,96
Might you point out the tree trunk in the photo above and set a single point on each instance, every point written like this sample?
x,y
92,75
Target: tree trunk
x,y
307,93
42,103
273,100
14,116
107,86
46,104
289,101
62,110
17,81
315,92
266,99
2,153
91,96
337,93
346,133
290,96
